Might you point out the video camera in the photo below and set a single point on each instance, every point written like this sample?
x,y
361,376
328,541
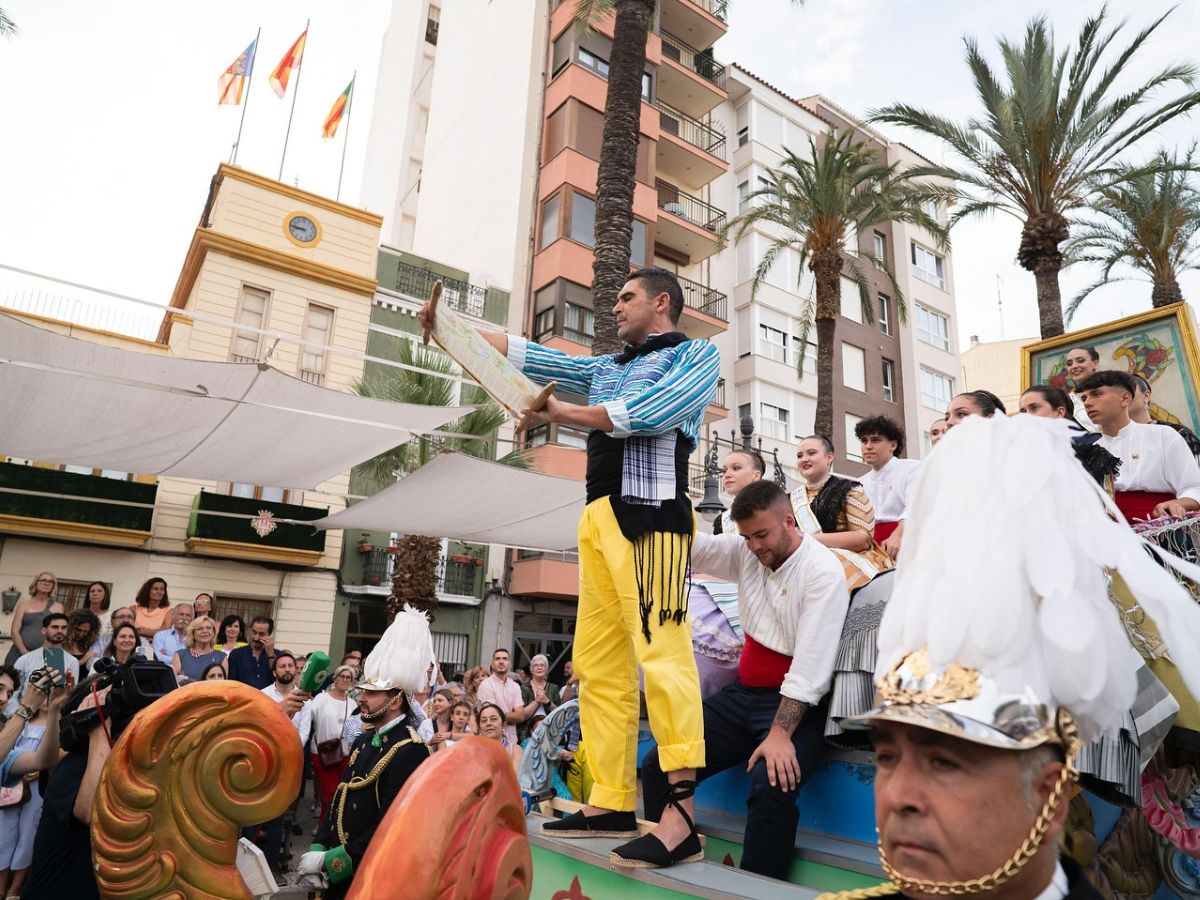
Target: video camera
x,y
135,685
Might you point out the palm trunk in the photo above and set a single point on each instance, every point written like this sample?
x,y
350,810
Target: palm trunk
x,y
415,578
827,269
618,163
1166,291
1039,254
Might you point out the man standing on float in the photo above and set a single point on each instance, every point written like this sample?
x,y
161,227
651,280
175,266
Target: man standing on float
x,y
645,408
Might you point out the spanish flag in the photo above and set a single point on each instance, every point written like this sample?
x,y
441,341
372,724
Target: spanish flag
x,y
340,106
231,85
283,71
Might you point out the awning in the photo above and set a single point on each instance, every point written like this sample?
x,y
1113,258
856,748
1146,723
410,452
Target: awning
x,y
75,402
468,499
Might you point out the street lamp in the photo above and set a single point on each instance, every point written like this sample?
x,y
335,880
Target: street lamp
x,y
9,598
711,506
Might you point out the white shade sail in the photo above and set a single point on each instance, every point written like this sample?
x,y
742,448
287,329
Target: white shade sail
x,y
70,401
468,499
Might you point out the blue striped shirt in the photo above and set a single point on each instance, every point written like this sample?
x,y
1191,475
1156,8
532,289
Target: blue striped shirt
x,y
653,394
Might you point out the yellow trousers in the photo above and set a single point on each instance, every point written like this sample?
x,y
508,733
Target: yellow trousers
x,y
609,648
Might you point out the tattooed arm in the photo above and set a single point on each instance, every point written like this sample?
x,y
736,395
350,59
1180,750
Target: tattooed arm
x,y
777,751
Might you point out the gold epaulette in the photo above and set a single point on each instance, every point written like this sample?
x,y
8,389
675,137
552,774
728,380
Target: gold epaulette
x,y
887,889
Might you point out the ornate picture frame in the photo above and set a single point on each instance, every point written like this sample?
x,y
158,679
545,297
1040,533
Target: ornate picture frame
x,y
1160,345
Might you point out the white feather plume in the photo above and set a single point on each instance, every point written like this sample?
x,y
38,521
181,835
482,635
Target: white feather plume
x,y
402,656
1003,569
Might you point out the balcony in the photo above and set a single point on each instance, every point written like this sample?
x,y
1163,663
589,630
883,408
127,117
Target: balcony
x,y
687,224
717,410
398,274
247,529
460,576
50,506
689,80
699,22
690,152
550,576
705,310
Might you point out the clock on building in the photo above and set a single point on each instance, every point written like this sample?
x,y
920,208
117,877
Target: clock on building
x,y
302,229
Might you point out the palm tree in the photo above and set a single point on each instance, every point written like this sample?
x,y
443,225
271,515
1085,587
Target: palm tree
x,y
1050,138
7,26
1148,222
840,189
618,156
414,579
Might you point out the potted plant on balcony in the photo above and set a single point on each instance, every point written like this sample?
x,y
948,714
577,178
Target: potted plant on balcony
x,y
364,543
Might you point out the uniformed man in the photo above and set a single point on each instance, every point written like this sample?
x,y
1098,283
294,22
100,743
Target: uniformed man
x,y
988,689
381,759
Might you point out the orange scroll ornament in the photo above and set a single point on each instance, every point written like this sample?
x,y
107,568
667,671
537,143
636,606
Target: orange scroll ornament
x,y
455,832
186,775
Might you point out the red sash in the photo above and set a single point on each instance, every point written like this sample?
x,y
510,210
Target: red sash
x,y
762,667
883,531
1139,504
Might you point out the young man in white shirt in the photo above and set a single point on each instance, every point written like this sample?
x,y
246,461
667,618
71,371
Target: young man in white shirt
x,y
1139,411
1158,476
505,691
793,599
888,482
1082,363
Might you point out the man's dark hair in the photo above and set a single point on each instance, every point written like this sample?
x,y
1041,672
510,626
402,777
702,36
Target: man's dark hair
x,y
53,617
825,442
351,651
757,497
1108,378
1090,351
882,426
264,620
282,654
989,404
12,673
502,650
655,281
756,459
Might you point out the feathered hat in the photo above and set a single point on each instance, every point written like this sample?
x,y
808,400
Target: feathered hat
x,y
1000,620
401,657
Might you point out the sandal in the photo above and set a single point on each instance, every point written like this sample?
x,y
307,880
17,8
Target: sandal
x,y
648,852
577,825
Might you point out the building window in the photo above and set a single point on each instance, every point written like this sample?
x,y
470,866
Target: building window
x,y
884,315
880,246
932,209
318,330
889,381
579,324
251,313
256,492
543,325
743,136
933,328
773,421
928,266
744,411
73,594
810,355
772,343
854,367
431,25
594,63
549,221
926,443
936,390
637,246
853,445
583,220
743,196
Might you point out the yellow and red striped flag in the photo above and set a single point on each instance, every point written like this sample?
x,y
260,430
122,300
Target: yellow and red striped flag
x,y
283,71
232,84
336,112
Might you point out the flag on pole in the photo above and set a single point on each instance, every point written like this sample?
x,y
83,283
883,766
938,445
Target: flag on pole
x,y
232,84
336,112
283,71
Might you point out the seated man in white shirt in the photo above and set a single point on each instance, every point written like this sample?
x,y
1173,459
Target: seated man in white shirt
x,y
888,482
1082,364
1158,476
793,598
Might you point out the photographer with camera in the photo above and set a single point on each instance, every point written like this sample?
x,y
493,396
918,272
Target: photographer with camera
x,y
50,654
92,717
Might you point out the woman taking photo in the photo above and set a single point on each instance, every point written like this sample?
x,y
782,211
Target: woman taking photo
x,y
198,652
83,630
328,711
26,629
491,726
152,608
231,634
123,647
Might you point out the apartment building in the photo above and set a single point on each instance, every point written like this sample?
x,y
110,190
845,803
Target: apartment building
x,y
265,257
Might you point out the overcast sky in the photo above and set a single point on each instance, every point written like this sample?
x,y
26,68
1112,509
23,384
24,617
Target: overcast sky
x,y
113,132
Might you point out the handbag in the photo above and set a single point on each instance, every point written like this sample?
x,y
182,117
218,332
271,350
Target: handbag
x,y
17,795
330,752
